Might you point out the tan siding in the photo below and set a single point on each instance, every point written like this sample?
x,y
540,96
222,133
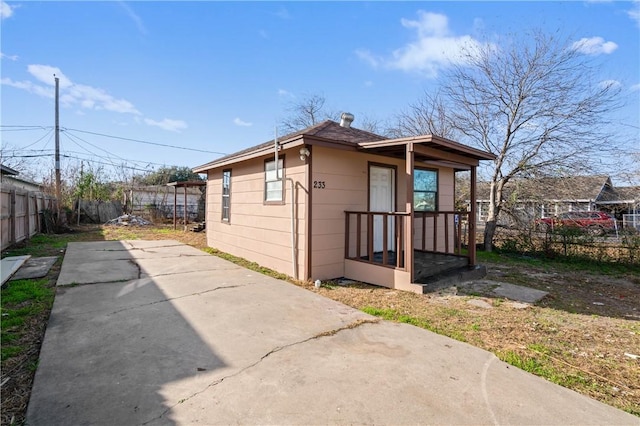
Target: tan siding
x,y
262,233
446,187
257,232
345,175
379,275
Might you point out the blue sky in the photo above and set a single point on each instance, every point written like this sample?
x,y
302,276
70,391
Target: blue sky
x,y
217,76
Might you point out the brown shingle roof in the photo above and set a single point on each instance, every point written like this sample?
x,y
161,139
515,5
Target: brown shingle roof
x,y
329,130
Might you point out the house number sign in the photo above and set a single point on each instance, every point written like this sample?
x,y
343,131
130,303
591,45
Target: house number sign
x,y
319,184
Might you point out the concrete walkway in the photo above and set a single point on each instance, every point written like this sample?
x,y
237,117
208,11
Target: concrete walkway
x,y
156,332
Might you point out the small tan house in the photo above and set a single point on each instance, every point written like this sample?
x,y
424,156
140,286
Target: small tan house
x,y
332,201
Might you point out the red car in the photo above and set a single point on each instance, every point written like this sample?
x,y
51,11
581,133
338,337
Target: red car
x,y
592,222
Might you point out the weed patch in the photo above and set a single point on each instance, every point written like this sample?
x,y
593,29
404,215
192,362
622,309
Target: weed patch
x,y
22,300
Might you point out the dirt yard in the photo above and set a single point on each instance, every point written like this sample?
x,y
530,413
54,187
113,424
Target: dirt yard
x,y
585,335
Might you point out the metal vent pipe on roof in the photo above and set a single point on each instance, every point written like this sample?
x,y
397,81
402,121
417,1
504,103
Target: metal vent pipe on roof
x,y
346,119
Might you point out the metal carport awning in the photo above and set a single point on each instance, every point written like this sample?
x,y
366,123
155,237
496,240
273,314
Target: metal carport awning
x,y
185,185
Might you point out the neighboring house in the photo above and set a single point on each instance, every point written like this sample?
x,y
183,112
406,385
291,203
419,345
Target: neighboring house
x,y
529,199
22,203
333,201
628,204
626,200
9,179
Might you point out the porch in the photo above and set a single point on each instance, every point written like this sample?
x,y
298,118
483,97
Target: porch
x,y
423,251
412,249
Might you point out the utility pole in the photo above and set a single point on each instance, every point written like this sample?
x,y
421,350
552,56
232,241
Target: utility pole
x,y
80,194
57,155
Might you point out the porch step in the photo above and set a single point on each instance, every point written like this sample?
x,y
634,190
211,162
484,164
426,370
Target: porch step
x,y
427,265
451,278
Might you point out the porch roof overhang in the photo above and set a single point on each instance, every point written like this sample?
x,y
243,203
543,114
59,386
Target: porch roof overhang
x,y
430,149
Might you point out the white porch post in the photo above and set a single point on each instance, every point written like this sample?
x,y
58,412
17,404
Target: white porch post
x,y
408,231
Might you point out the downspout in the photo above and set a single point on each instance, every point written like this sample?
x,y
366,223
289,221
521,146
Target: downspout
x,y
294,240
294,249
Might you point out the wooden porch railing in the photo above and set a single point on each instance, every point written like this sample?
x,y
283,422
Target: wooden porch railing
x,y
445,222
434,232
359,238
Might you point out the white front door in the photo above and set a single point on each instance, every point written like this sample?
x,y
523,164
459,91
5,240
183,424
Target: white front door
x,y
381,199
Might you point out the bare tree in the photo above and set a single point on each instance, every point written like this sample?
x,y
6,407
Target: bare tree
x,y
629,171
534,103
310,110
371,124
426,116
15,158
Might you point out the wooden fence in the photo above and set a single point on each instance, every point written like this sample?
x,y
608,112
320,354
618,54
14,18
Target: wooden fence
x,y
20,212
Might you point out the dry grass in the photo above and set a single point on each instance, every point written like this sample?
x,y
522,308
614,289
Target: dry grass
x,y
582,335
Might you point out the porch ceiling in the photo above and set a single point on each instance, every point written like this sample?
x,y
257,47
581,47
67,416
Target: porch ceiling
x,y
429,149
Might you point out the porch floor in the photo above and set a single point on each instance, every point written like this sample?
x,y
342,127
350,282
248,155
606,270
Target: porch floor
x,y
426,264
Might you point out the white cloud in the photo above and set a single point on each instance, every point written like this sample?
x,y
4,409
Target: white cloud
x,y
46,73
167,124
71,94
9,57
94,98
368,57
239,122
635,87
46,92
84,97
285,93
634,12
283,13
79,94
6,11
430,24
594,46
435,47
134,17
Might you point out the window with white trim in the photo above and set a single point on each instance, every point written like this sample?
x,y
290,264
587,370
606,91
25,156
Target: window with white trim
x,y
226,195
273,181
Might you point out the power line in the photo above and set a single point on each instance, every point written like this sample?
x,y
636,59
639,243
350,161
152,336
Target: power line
x,y
16,128
107,164
39,139
78,158
145,142
28,156
72,137
11,153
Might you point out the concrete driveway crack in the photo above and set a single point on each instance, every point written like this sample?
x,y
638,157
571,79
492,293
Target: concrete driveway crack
x,y
328,333
175,298
137,267
198,271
